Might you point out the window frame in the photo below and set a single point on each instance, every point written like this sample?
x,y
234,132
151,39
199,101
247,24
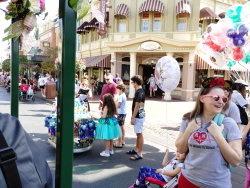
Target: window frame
x,y
148,19
124,19
156,19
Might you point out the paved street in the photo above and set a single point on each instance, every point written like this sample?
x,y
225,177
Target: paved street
x,y
91,170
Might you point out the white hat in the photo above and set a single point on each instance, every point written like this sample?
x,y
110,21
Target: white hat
x,y
240,81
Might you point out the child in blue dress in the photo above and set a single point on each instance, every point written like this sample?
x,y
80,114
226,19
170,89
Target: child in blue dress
x,y
108,127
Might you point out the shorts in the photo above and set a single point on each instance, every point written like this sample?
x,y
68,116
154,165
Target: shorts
x,y
138,127
121,119
152,88
144,87
42,87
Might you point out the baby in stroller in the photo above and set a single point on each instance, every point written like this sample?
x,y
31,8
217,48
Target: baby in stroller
x,y
26,92
160,176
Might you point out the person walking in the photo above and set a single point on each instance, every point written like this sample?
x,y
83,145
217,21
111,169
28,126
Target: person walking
x,y
77,84
41,85
108,128
110,88
144,83
138,116
92,83
207,163
151,80
122,112
239,98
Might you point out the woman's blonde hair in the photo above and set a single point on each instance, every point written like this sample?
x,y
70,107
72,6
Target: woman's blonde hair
x,y
76,77
198,109
84,79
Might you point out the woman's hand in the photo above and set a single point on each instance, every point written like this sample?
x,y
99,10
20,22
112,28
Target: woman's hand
x,y
194,126
215,130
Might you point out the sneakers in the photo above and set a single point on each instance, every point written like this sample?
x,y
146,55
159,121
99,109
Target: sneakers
x,y
104,154
134,186
111,152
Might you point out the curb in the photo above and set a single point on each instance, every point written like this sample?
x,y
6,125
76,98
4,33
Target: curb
x,y
46,100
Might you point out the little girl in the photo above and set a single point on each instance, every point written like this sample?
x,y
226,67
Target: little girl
x,y
108,127
165,175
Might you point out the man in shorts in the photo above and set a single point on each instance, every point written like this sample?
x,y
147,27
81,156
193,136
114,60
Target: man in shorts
x,y
138,116
151,80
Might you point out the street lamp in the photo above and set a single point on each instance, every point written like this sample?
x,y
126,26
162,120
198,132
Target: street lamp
x,y
29,59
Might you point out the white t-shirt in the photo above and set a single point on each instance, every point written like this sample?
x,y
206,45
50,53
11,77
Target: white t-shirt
x,y
42,81
238,99
152,81
83,97
170,167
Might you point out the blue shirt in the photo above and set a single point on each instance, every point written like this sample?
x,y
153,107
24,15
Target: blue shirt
x,y
123,106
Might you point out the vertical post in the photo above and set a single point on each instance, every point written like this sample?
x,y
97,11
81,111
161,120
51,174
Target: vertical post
x,y
14,91
132,73
65,105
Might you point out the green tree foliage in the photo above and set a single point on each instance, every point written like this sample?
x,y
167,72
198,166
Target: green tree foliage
x,y
6,65
24,60
49,63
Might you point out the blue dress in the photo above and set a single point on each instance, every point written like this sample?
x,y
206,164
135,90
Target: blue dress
x,y
107,129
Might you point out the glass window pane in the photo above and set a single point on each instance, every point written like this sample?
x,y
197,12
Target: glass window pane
x,y
208,21
181,24
122,26
145,25
200,29
157,25
79,40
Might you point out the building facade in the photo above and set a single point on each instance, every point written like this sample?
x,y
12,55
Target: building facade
x,y
140,32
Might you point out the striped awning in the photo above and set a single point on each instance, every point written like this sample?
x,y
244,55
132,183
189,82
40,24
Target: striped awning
x,y
246,66
99,61
207,13
183,7
152,5
122,9
91,24
81,28
203,61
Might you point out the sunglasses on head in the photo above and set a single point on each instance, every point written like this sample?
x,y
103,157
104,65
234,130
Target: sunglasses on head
x,y
216,98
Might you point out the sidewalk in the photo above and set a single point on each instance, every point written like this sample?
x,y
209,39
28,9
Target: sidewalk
x,y
162,126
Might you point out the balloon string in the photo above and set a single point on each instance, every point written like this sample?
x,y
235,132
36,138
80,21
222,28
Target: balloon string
x,y
167,121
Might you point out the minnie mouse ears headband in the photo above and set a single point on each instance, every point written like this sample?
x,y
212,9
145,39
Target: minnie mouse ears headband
x,y
210,82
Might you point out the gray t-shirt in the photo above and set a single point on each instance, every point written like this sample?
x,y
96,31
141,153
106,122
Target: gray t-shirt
x,y
123,106
233,112
238,99
204,165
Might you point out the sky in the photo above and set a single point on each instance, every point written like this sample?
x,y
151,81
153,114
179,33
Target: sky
x,y
51,7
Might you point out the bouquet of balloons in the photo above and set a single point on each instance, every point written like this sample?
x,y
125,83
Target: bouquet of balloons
x,y
228,41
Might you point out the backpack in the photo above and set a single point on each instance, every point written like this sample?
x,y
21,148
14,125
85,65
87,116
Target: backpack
x,y
218,119
22,164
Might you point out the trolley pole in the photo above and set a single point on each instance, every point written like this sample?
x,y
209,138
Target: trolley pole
x,y
65,104
14,88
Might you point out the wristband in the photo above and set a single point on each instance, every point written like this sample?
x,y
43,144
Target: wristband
x,y
162,171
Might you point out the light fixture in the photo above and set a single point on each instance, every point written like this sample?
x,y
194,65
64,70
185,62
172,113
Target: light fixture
x,y
112,61
29,57
190,63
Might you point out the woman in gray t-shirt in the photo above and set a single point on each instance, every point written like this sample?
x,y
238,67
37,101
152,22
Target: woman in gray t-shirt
x,y
209,152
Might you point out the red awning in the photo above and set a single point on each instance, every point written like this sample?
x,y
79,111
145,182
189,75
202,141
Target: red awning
x,y
81,28
152,5
99,61
91,24
183,7
222,15
122,9
207,13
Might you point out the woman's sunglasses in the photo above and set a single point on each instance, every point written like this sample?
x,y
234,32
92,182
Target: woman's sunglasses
x,y
216,98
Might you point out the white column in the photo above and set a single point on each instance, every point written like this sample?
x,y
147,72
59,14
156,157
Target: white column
x,y
89,75
168,94
113,63
132,73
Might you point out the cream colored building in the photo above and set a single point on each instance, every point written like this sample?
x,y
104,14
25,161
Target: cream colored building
x,y
143,31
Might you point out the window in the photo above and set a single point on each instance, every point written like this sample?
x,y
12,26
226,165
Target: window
x,y
79,41
180,83
87,37
182,22
157,21
208,21
200,29
93,34
219,73
145,21
200,76
122,23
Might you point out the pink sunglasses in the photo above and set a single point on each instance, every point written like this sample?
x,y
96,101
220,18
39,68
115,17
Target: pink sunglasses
x,y
216,98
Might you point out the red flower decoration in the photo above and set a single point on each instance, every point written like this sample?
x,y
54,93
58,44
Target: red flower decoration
x,y
218,82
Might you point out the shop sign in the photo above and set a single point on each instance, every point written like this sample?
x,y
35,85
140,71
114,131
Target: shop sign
x,y
150,46
102,26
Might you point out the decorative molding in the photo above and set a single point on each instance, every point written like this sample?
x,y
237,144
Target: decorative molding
x,y
150,46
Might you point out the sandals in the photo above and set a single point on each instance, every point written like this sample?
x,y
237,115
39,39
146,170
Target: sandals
x,y
136,157
131,152
116,145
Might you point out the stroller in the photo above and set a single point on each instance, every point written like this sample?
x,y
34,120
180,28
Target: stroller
x,y
172,184
98,88
26,92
